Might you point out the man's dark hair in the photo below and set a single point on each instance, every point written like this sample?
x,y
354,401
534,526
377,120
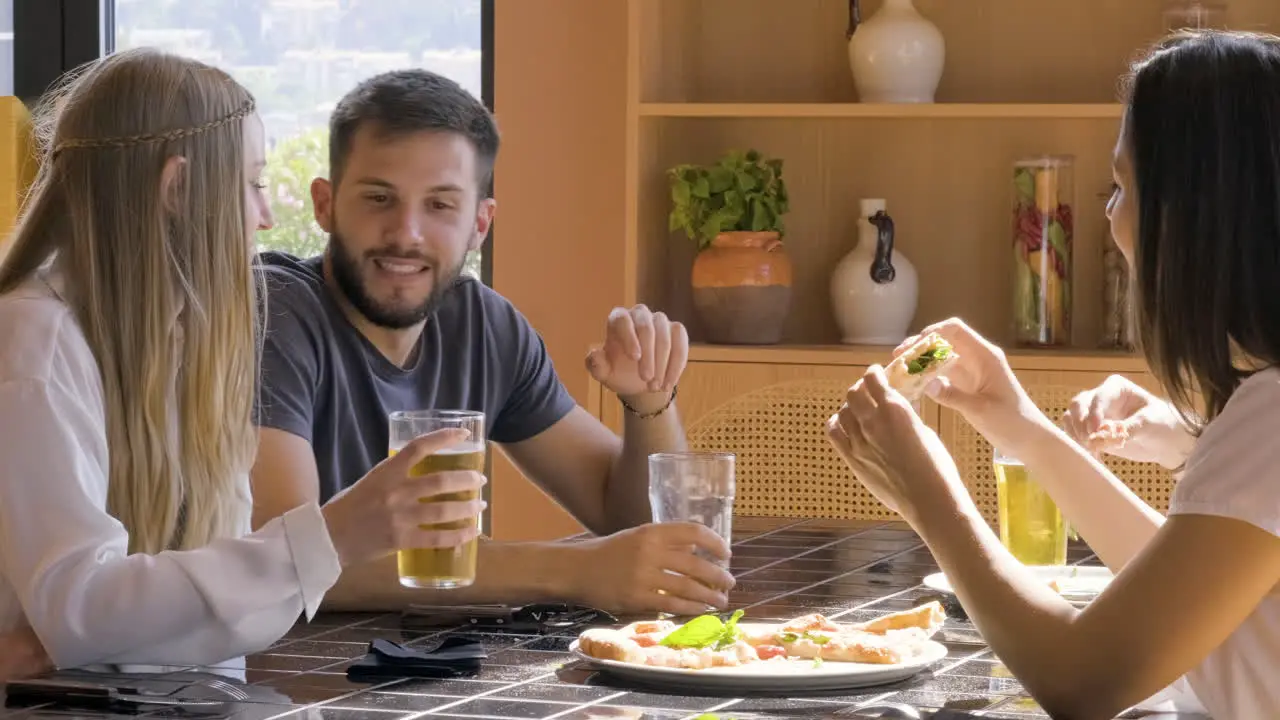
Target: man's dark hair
x,y
401,102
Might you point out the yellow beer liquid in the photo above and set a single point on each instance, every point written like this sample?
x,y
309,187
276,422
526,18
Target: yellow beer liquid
x,y
1031,525
444,568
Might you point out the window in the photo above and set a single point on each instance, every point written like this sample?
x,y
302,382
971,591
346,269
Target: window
x,y
296,56
6,47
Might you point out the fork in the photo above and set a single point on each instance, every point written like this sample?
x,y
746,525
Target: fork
x,y
224,686
212,683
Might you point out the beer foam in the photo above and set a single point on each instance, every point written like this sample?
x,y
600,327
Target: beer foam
x,y
464,448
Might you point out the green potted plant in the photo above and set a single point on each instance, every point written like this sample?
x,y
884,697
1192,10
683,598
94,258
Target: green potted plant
x,y
741,277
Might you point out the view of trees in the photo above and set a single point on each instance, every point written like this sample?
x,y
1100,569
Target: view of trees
x,y
298,57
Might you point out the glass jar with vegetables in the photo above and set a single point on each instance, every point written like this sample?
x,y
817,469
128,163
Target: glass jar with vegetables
x,y
1043,227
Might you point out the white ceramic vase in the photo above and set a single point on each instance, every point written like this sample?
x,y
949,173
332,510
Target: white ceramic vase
x,y
874,290
897,55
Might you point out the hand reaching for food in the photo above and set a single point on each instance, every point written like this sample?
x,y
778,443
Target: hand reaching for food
x,y
1121,418
659,567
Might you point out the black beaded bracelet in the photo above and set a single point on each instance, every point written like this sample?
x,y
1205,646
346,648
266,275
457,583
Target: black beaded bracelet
x,y
645,416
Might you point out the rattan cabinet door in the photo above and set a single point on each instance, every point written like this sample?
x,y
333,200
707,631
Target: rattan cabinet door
x,y
1052,391
773,417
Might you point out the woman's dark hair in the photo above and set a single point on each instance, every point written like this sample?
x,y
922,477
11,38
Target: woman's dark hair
x,y
1202,126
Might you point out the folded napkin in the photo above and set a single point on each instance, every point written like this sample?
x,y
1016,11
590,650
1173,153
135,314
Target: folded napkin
x,y
451,658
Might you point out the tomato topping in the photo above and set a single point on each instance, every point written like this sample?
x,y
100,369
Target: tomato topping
x,y
764,652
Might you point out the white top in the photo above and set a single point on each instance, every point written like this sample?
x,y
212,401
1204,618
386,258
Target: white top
x,y
64,563
1234,471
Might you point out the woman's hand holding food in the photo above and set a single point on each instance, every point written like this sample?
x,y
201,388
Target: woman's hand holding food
x,y
979,385
890,449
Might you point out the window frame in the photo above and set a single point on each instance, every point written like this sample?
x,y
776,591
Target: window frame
x,y
51,37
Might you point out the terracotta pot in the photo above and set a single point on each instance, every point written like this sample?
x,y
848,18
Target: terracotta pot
x,y
742,288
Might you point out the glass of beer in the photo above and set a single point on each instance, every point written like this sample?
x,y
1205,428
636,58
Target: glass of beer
x,y
1031,525
441,568
694,487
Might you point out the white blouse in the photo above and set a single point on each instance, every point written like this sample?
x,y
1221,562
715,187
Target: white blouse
x,y
1234,472
65,569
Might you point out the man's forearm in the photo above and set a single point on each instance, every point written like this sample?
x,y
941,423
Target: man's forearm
x,y
627,492
507,573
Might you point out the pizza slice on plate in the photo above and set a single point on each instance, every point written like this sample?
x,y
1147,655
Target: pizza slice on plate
x,y
707,642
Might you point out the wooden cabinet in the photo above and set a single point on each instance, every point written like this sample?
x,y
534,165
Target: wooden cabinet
x,y
1021,79
623,90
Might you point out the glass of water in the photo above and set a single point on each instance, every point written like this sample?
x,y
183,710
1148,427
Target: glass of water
x,y
694,487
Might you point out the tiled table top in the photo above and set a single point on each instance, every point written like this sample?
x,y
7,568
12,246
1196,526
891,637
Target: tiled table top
x,y
785,568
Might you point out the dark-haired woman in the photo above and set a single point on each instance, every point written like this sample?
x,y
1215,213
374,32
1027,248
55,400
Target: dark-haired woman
x,y
1193,615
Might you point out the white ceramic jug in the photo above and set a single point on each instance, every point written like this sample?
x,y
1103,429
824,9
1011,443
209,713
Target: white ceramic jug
x,y
874,290
897,55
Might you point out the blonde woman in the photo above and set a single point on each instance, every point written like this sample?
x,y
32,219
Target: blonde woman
x,y
127,378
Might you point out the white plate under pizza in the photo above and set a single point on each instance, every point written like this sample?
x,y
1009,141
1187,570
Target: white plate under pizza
x,y
810,652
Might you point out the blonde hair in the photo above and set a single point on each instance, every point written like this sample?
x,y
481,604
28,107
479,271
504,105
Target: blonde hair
x,y
162,287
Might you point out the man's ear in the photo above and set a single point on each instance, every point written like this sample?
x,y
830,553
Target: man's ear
x,y
172,176
485,211
322,202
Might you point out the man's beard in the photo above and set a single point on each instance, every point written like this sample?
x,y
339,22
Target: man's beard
x,y
346,273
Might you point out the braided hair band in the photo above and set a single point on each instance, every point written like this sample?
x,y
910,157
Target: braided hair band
x,y
167,136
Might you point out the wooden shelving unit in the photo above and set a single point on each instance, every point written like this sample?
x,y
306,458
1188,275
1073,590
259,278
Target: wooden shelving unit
x,y
1022,78
17,162
961,111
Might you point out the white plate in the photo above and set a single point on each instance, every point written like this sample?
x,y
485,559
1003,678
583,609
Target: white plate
x,y
1077,583
774,675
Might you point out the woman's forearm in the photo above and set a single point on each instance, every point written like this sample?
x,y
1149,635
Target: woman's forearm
x,y
1027,625
1114,521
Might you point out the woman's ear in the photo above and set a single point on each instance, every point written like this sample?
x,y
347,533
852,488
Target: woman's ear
x,y
171,178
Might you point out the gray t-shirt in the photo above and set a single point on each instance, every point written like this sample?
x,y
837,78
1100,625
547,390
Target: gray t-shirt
x,y
326,383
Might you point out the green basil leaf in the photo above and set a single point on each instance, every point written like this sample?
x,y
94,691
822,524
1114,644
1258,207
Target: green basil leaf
x,y
730,634
700,632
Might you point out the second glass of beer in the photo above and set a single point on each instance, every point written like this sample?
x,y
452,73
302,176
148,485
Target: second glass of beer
x,y
441,568
1031,525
